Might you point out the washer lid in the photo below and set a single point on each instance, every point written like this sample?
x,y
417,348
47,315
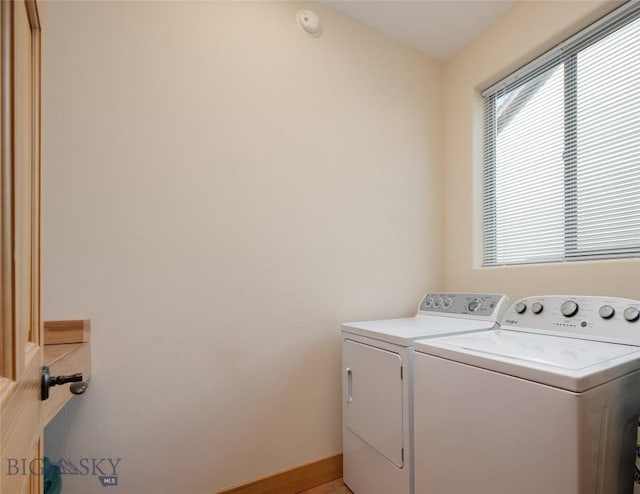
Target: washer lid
x,y
405,331
568,363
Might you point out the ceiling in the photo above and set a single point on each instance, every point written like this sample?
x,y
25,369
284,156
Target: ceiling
x,y
439,28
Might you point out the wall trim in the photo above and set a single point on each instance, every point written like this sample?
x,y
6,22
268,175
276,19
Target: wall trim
x,y
293,480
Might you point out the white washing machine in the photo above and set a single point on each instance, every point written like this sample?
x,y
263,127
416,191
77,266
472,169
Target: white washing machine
x,y
377,386
547,404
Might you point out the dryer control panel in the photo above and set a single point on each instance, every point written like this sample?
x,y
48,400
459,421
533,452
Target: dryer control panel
x,y
485,306
611,319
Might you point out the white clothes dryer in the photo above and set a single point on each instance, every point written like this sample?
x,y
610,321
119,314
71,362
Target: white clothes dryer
x,y
377,417
548,403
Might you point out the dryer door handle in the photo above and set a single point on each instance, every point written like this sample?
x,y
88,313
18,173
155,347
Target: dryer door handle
x,y
349,385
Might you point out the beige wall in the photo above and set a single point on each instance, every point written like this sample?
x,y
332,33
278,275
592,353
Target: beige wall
x,y
221,191
526,31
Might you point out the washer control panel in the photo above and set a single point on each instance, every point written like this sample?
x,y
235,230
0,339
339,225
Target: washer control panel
x,y
595,318
490,306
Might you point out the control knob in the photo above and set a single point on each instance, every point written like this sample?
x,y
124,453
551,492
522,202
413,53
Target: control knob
x,y
537,308
475,304
631,314
447,302
606,312
569,308
521,307
437,303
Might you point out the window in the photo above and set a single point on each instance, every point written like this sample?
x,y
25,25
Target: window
x,y
562,151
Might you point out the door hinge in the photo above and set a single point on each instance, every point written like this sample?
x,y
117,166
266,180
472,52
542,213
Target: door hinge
x,y
401,373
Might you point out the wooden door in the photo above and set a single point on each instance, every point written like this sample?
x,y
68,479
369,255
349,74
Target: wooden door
x,y
20,323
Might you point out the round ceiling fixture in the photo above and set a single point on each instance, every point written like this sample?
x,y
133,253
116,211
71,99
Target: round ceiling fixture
x,y
308,21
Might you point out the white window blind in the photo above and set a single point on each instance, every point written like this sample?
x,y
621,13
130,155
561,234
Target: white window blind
x,y
562,151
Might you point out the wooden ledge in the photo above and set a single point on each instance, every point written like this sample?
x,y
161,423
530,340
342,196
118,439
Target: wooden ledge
x,y
67,350
57,332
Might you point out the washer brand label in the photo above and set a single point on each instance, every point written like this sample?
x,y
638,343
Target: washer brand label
x,y
510,321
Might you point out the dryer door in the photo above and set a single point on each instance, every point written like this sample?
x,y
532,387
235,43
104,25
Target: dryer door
x,y
373,395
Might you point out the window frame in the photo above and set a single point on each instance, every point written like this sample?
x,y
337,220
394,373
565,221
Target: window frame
x,y
566,54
